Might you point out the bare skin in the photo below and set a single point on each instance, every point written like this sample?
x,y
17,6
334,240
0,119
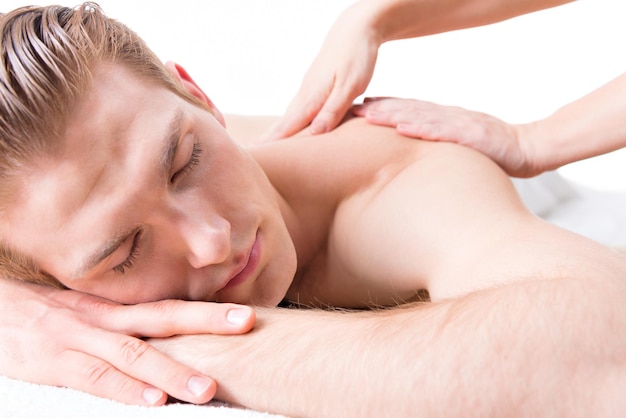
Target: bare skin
x,y
344,66
522,150
328,201
371,218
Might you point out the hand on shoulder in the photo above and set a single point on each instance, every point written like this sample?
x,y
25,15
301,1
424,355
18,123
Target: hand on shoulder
x,y
487,134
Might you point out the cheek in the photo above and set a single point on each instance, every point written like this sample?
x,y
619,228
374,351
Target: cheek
x,y
161,277
144,285
229,164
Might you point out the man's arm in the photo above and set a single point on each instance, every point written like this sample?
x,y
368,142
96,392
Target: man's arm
x,y
66,338
530,348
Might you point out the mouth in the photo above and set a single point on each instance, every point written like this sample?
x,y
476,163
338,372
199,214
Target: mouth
x,y
247,266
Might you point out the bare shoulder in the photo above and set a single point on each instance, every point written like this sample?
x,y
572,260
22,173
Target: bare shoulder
x,y
402,215
358,156
393,210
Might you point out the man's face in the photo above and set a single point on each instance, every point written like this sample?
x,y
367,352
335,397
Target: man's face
x,y
150,199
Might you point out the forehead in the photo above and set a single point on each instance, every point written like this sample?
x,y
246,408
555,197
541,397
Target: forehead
x,y
111,141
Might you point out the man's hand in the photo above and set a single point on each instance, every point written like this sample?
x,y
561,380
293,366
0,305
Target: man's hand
x,y
66,338
341,71
493,137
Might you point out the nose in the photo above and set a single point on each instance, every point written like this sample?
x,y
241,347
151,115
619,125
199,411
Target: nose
x,y
207,241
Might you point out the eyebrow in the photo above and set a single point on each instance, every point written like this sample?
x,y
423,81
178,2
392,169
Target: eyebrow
x,y
168,154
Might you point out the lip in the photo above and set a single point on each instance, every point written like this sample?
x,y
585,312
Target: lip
x,y
249,266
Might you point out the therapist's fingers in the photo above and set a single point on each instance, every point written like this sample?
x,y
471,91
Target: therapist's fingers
x,y
333,111
387,110
419,119
323,109
430,131
300,112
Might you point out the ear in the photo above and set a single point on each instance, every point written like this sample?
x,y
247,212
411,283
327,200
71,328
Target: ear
x,y
183,77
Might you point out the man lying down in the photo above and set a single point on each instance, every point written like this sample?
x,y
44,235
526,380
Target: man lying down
x,y
121,181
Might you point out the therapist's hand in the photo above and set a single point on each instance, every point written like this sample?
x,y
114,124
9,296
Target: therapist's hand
x,y
341,71
66,338
495,138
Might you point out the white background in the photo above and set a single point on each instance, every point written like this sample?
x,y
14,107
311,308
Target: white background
x,y
250,56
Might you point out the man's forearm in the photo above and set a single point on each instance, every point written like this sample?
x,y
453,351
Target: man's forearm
x,y
528,348
399,19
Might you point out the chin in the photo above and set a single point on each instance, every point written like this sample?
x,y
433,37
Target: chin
x,y
267,290
273,283
269,296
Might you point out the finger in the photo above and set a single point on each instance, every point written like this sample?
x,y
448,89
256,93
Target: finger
x,y
332,112
358,110
380,118
99,378
376,99
380,105
414,130
172,317
429,131
135,361
288,125
298,115
389,117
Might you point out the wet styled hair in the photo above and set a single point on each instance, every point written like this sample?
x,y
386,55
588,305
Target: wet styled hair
x,y
47,58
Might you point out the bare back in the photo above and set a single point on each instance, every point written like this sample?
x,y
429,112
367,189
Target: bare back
x,y
377,217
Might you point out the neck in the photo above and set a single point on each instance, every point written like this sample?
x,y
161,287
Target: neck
x,y
307,208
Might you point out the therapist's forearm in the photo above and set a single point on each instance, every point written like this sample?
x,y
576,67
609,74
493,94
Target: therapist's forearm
x,y
399,19
524,349
590,126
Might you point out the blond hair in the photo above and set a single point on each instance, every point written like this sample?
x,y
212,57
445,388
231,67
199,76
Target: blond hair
x,y
47,55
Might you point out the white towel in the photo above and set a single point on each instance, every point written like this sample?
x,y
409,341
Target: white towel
x,y
26,400
599,215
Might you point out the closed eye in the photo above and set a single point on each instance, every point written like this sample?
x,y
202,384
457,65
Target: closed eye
x,y
194,159
132,255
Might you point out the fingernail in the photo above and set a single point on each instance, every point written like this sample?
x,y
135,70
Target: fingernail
x,y
319,127
238,316
198,385
152,395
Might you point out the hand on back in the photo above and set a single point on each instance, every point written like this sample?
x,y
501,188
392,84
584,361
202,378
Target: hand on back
x,y
491,136
341,71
